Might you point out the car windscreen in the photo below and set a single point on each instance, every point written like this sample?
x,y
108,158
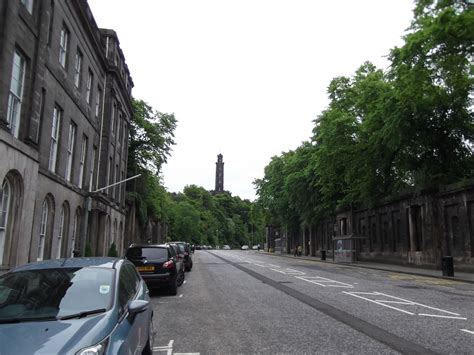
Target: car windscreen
x,y
147,253
48,294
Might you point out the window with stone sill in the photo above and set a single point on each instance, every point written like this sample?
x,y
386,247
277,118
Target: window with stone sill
x,y
98,98
55,128
82,161
63,46
78,69
70,150
28,5
15,97
90,79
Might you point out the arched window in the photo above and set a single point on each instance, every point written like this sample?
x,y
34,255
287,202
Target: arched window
x,y
106,237
43,229
46,228
120,239
5,205
75,232
63,232
114,234
455,231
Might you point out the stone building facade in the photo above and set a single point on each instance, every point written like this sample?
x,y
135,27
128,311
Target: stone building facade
x,y
65,110
417,228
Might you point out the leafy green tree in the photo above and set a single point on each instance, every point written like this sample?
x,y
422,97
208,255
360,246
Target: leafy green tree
x,y
433,77
356,148
274,197
382,132
150,139
184,222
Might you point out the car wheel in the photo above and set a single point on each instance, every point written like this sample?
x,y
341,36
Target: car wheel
x,y
174,287
181,278
147,350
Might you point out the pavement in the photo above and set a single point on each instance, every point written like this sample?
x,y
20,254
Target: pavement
x,y
405,269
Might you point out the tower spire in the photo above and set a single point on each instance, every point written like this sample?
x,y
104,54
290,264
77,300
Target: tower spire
x,y
219,175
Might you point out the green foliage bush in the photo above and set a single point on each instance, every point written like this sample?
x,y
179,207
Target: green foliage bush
x,y
88,251
112,251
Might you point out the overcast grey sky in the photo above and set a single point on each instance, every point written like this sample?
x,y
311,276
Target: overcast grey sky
x,y
245,78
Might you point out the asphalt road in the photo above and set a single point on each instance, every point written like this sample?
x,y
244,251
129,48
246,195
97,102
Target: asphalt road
x,y
245,302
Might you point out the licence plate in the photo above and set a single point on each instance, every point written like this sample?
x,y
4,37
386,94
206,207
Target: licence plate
x,y
145,268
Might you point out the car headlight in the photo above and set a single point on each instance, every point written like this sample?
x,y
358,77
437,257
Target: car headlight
x,y
97,349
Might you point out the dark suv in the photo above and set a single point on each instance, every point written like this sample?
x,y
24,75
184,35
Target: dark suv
x,y
185,253
159,265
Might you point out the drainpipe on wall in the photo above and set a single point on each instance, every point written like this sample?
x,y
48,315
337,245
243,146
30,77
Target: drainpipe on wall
x,y
102,115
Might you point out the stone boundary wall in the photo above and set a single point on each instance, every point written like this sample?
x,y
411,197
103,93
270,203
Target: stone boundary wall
x,y
417,228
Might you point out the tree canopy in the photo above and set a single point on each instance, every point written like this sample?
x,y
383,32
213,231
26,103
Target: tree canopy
x,y
150,141
409,127
151,138
200,217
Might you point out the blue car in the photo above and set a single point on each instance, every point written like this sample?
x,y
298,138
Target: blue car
x,y
75,306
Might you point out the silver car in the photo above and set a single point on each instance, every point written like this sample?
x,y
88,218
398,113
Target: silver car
x,y
75,306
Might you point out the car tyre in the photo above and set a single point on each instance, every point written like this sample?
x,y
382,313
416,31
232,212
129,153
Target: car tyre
x,y
147,349
174,287
181,278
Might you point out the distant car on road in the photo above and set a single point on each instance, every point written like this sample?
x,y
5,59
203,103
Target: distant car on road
x,y
245,247
255,247
75,306
226,247
158,264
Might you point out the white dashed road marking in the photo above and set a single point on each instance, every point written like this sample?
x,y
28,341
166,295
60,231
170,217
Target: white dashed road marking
x,y
168,349
468,331
288,271
294,272
387,300
322,281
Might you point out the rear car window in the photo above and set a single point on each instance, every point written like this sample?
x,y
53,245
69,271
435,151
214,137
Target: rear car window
x,y
147,253
172,250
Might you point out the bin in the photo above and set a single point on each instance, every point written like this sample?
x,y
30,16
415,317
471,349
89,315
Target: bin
x,y
323,254
447,266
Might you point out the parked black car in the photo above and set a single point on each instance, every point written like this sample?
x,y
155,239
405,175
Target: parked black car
x,y
179,258
159,265
185,252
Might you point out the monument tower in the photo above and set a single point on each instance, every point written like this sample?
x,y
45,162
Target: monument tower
x,y
219,175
